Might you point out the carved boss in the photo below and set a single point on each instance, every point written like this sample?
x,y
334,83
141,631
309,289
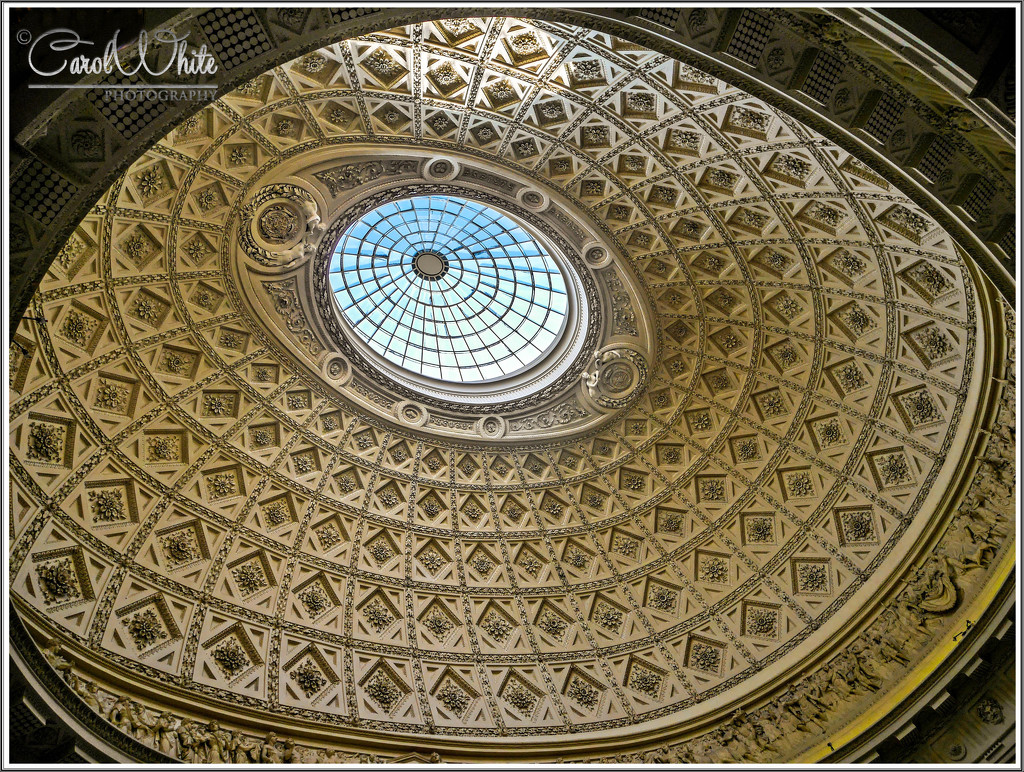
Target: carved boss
x,y
280,226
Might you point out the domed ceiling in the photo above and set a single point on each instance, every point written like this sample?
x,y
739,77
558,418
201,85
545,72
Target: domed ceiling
x,y
226,505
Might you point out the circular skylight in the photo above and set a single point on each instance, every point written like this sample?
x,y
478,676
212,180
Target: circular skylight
x,y
449,288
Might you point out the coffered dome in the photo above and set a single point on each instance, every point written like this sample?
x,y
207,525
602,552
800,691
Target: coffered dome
x,y
486,383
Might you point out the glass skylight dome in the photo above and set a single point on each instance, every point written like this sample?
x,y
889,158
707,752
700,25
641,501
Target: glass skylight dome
x,y
449,289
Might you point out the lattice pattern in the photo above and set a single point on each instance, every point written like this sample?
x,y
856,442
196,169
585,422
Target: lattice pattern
x,y
42,192
936,158
751,36
235,35
884,116
976,203
667,17
128,116
822,77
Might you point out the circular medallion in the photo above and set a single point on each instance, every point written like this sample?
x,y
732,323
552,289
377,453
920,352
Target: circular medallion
x,y
618,377
534,200
441,169
597,256
338,369
492,427
278,223
411,413
618,373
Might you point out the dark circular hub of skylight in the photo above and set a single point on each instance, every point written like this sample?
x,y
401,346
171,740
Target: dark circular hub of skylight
x,y
449,289
430,265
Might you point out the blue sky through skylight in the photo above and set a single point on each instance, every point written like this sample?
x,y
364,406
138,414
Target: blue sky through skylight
x,y
498,307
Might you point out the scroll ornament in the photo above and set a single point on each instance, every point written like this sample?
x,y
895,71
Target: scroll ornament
x,y
286,302
349,176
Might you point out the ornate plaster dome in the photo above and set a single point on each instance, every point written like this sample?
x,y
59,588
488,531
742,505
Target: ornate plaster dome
x,y
711,457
